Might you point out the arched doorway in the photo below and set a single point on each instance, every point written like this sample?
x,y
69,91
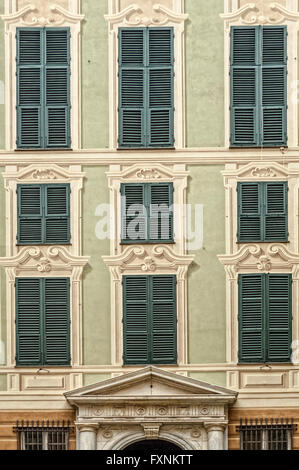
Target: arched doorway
x,y
157,445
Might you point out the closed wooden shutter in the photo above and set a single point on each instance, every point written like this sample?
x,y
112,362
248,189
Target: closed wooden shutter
x,y
276,211
30,220
57,213
146,87
279,334
134,212
161,212
164,320
258,86
249,212
43,87
28,321
251,318
57,321
136,320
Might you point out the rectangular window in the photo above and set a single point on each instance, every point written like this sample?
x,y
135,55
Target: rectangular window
x,y
43,214
147,212
266,434
150,319
146,87
43,87
258,77
265,318
43,435
42,321
263,212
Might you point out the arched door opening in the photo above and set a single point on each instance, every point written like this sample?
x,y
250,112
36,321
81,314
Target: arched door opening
x,y
156,445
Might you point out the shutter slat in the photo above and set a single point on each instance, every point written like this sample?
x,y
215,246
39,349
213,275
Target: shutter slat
x,y
276,219
29,214
249,212
161,213
134,215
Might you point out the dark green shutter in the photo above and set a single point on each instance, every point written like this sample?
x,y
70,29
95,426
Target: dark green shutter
x,y
251,318
146,87
28,321
276,211
279,338
57,321
258,86
161,211
57,213
249,212
274,89
43,87
164,320
30,214
134,212
136,319
29,87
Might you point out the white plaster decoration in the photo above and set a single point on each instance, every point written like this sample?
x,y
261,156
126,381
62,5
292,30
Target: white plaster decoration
x,y
148,13
30,13
151,404
147,258
87,437
265,12
215,436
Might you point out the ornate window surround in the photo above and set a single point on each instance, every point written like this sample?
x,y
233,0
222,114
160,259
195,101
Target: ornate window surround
x,y
35,14
257,13
44,260
143,259
134,16
253,258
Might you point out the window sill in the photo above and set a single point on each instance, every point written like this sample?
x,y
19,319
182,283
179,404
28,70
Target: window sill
x,y
142,242
44,244
35,149
145,148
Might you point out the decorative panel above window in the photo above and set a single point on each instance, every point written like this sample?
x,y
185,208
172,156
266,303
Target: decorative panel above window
x,y
43,214
147,212
146,87
150,319
43,88
263,211
265,318
258,86
42,321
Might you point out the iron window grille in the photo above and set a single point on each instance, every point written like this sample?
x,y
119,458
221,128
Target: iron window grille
x,y
266,434
43,435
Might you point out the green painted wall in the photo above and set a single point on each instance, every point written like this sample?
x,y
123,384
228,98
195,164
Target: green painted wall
x,y
212,378
3,383
89,379
96,278
206,280
204,74
95,75
2,80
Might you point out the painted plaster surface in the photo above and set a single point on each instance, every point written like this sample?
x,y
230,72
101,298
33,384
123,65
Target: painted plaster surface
x,y
2,78
213,378
89,379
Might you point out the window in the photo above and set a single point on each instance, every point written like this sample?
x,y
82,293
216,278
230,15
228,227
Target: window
x,y
258,86
150,319
43,213
263,212
147,212
265,317
146,87
42,321
266,434
43,435
43,87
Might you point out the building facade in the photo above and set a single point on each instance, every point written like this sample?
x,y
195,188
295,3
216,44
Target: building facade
x,y
149,235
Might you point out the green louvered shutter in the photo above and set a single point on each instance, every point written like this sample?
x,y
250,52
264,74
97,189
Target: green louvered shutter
x,y
134,212
57,213
57,321
136,319
279,319
57,88
276,211
163,320
160,83
29,88
244,86
249,212
28,322
161,212
30,214
251,318
274,89
132,87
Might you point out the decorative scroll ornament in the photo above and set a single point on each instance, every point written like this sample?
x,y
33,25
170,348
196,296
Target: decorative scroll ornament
x,y
263,172
42,15
157,15
261,12
148,173
264,264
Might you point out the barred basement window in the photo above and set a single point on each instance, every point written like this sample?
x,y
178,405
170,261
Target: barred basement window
x,y
43,435
266,434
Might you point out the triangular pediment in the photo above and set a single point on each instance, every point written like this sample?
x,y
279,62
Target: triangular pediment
x,y
150,382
